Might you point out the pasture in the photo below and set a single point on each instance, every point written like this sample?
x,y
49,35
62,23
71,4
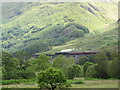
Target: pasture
x,y
93,83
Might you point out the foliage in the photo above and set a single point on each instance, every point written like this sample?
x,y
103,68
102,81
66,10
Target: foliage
x,y
83,59
59,62
91,58
25,74
51,78
75,71
113,69
102,63
9,66
42,63
114,54
23,58
37,46
86,65
63,63
91,72
72,32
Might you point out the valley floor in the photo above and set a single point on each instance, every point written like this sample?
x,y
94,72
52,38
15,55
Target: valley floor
x,y
88,84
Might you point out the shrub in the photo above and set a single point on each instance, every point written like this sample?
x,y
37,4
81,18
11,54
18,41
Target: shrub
x,y
52,78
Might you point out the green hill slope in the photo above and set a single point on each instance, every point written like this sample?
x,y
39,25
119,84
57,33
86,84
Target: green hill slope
x,y
38,26
105,40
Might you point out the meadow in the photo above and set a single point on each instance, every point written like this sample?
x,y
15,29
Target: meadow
x,y
89,83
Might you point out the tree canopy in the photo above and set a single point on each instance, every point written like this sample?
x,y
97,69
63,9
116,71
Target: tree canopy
x,y
51,78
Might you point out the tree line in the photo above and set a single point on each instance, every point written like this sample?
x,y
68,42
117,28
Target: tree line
x,y
101,65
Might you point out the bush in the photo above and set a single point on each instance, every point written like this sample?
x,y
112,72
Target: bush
x,y
52,78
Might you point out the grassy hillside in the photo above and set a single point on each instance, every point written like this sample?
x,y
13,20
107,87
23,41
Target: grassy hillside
x,y
43,25
105,40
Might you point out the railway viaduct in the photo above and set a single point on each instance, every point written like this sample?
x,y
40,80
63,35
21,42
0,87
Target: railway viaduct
x,y
76,55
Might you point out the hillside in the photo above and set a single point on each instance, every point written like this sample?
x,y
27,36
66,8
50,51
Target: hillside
x,y
106,40
39,27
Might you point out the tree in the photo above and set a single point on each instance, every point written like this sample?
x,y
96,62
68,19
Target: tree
x,y
63,63
42,63
91,58
102,63
82,60
85,29
9,66
86,65
25,74
114,55
75,71
59,62
51,78
113,69
91,72
23,58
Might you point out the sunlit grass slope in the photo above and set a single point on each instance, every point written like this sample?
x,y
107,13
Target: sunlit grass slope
x,y
105,40
29,21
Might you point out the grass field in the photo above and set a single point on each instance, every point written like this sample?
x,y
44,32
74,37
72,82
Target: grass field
x,y
87,84
97,84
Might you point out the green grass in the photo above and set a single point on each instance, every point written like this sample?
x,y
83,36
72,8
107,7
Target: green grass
x,y
75,81
98,84
100,79
19,81
93,83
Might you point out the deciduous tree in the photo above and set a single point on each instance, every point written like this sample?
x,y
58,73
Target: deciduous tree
x,y
51,78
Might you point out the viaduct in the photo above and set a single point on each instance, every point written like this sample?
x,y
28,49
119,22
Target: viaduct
x,y
76,55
